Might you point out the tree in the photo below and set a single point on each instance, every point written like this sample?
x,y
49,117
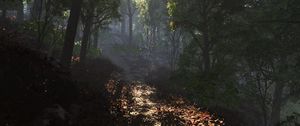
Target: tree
x,y
12,5
96,38
203,18
206,67
67,50
130,19
152,19
270,54
176,38
44,17
20,11
96,13
123,18
127,10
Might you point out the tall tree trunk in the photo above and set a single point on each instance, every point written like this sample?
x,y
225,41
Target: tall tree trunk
x,y
85,39
123,12
154,35
278,92
264,111
276,104
262,97
36,9
130,20
206,50
20,13
123,26
67,50
38,16
4,13
130,28
96,39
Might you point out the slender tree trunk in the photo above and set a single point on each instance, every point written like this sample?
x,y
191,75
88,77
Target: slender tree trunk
x,y
85,39
20,13
262,97
265,114
154,34
130,28
276,104
123,26
205,53
41,17
37,9
278,92
96,39
67,50
130,20
4,13
123,12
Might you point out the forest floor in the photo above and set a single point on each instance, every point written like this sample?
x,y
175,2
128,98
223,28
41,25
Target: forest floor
x,y
142,104
46,83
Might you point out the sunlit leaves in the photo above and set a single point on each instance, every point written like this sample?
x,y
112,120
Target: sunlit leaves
x,y
171,5
102,11
143,7
170,111
66,13
172,25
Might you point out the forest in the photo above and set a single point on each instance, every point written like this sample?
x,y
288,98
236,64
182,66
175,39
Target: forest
x,y
150,63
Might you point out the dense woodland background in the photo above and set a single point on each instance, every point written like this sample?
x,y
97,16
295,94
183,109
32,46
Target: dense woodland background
x,y
238,59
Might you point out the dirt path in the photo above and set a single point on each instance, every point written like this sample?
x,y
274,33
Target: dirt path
x,y
141,106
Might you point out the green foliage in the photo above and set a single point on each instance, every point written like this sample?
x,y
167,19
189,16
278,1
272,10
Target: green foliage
x,y
7,4
219,87
151,13
77,48
47,23
92,52
102,11
126,49
53,40
143,6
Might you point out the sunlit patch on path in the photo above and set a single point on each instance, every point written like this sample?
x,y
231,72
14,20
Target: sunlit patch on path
x,y
139,103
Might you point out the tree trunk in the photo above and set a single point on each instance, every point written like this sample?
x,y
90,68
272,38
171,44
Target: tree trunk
x,y
96,39
262,98
67,50
130,28
123,26
123,12
4,13
154,34
276,104
36,10
85,39
130,20
20,13
264,111
205,52
278,92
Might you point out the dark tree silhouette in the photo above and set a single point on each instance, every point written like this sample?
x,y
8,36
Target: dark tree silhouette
x,y
67,51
